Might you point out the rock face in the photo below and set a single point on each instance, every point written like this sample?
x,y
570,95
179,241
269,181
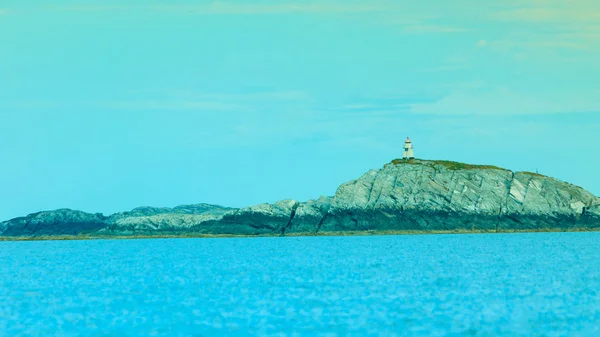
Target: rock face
x,y
591,215
259,219
414,194
58,222
310,216
150,220
438,195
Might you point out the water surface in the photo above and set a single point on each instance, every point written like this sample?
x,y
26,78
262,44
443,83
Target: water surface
x,y
542,284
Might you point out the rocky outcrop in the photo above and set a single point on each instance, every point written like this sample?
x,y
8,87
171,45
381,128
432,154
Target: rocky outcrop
x,y
152,220
591,215
416,195
183,209
255,220
310,216
58,222
439,195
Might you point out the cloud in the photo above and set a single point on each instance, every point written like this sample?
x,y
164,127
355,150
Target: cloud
x,y
191,100
381,106
175,100
554,24
92,8
537,42
223,8
434,29
26,105
130,104
443,68
552,13
413,20
502,101
541,42
363,106
449,64
271,95
175,105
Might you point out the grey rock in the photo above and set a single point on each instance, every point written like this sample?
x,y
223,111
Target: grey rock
x,y
309,216
3,227
58,222
164,222
254,220
183,209
591,215
150,220
437,195
403,195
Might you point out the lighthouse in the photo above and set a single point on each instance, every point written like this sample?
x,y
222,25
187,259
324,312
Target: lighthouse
x,y
408,149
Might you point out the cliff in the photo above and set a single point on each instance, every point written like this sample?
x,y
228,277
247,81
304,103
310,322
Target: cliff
x,y
404,195
439,195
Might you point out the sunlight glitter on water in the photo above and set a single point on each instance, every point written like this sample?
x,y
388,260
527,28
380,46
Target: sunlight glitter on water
x,y
423,285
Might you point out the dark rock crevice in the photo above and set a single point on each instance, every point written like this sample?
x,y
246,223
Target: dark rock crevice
x,y
526,190
320,224
377,198
394,183
369,195
292,216
509,186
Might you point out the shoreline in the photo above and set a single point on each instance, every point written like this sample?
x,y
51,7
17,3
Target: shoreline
x,y
300,234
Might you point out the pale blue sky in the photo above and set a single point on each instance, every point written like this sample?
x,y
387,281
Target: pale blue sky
x,y
105,106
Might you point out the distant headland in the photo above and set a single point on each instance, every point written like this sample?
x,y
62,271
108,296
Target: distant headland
x,y
405,196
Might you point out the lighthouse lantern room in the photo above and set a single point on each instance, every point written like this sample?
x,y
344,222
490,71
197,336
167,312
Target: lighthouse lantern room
x,y
408,149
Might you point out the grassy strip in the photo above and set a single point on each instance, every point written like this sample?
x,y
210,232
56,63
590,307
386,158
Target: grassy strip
x,y
336,233
450,165
125,237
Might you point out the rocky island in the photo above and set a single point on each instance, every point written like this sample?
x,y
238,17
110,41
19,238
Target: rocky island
x,y
405,196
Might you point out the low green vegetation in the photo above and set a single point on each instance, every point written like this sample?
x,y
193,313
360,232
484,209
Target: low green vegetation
x,y
336,233
450,165
574,190
115,237
534,174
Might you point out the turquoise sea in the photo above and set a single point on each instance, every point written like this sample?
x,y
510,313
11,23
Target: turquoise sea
x,y
539,284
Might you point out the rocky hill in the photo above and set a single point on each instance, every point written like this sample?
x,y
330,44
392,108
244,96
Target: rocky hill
x,y
404,195
58,222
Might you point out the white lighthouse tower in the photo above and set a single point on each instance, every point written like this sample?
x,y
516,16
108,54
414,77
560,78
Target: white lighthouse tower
x,y
408,149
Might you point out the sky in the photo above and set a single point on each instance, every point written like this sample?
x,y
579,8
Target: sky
x,y
109,105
